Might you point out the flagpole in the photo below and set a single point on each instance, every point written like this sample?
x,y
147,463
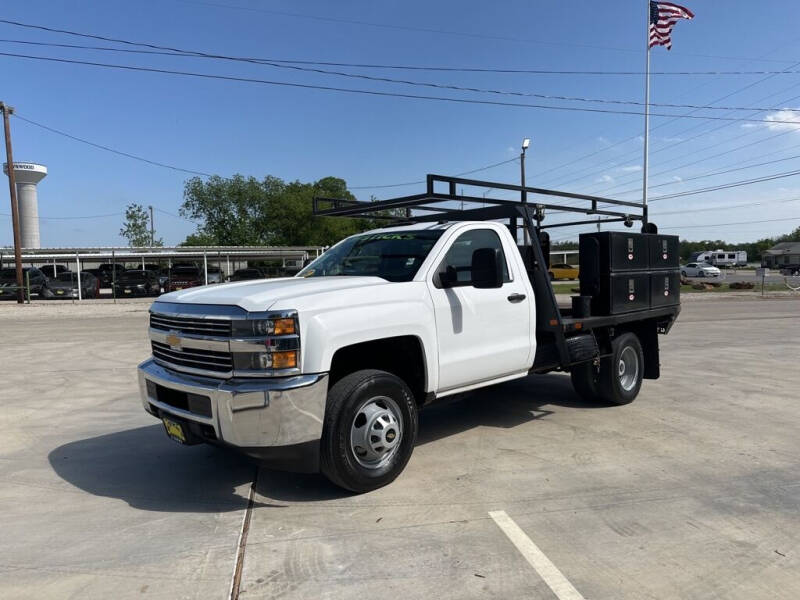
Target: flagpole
x,y
646,115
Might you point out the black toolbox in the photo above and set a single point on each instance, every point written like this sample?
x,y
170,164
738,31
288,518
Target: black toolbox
x,y
628,271
665,288
622,292
663,251
614,251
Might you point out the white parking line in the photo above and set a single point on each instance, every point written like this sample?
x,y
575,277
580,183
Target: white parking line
x,y
547,570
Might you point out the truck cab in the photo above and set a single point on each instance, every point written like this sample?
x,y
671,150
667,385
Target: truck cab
x,y
327,370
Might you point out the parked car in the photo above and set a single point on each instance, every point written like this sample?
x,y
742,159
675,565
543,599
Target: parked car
x,y
136,282
52,271
162,273
98,275
214,274
699,270
107,272
182,277
65,285
563,271
245,274
8,281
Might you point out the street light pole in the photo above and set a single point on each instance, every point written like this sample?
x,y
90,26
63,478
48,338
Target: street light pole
x,y
12,185
152,227
524,193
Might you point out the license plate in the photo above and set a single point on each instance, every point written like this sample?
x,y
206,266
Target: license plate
x,y
127,291
178,289
60,292
174,430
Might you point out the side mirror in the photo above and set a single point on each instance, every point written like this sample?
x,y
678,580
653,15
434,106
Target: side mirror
x,y
487,268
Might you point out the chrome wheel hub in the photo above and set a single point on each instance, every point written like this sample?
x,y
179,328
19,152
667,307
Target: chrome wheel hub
x,y
628,369
376,432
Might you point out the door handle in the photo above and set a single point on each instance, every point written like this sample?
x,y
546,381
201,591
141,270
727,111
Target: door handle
x,y
516,298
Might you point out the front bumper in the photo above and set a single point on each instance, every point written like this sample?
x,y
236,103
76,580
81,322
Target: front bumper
x,y
130,291
277,420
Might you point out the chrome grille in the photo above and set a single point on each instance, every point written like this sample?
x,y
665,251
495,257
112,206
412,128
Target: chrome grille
x,y
194,358
191,325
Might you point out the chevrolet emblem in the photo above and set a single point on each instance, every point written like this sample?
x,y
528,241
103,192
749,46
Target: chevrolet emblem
x,y
174,341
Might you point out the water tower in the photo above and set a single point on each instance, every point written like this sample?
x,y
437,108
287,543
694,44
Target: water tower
x,y
28,176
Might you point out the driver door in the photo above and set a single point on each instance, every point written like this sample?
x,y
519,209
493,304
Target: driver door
x,y
482,334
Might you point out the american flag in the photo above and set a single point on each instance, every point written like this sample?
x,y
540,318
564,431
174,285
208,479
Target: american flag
x,y
663,16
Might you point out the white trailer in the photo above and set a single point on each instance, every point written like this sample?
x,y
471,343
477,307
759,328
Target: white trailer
x,y
722,258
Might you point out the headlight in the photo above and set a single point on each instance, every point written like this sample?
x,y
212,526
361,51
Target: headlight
x,y
270,344
261,361
264,327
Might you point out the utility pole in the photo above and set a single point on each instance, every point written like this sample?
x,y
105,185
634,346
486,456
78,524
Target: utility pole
x,y
525,143
152,227
12,186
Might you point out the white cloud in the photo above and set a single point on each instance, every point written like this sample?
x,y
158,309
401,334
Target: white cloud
x,y
749,125
602,140
784,120
677,178
631,168
511,150
604,179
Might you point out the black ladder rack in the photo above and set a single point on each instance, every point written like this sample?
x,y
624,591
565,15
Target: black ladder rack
x,y
430,206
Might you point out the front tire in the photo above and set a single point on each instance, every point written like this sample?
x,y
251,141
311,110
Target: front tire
x,y
369,431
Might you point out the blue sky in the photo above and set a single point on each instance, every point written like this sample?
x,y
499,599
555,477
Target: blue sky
x,y
230,127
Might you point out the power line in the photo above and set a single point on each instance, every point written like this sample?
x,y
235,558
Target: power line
x,y
407,183
73,218
704,133
737,223
109,149
725,186
722,207
456,33
439,69
711,174
263,62
720,99
203,174
379,93
717,155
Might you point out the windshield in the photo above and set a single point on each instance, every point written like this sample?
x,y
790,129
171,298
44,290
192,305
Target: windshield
x,y
394,256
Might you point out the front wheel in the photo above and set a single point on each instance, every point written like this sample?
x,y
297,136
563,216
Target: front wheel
x,y
369,431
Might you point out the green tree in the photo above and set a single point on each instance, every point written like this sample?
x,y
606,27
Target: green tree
x,y
136,227
199,239
245,211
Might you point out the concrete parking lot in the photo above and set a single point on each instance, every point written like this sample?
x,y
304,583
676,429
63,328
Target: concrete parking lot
x,y
693,491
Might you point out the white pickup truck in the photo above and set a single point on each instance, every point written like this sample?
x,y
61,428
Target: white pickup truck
x,y
327,370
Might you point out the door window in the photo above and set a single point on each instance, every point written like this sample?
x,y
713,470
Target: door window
x,y
459,257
